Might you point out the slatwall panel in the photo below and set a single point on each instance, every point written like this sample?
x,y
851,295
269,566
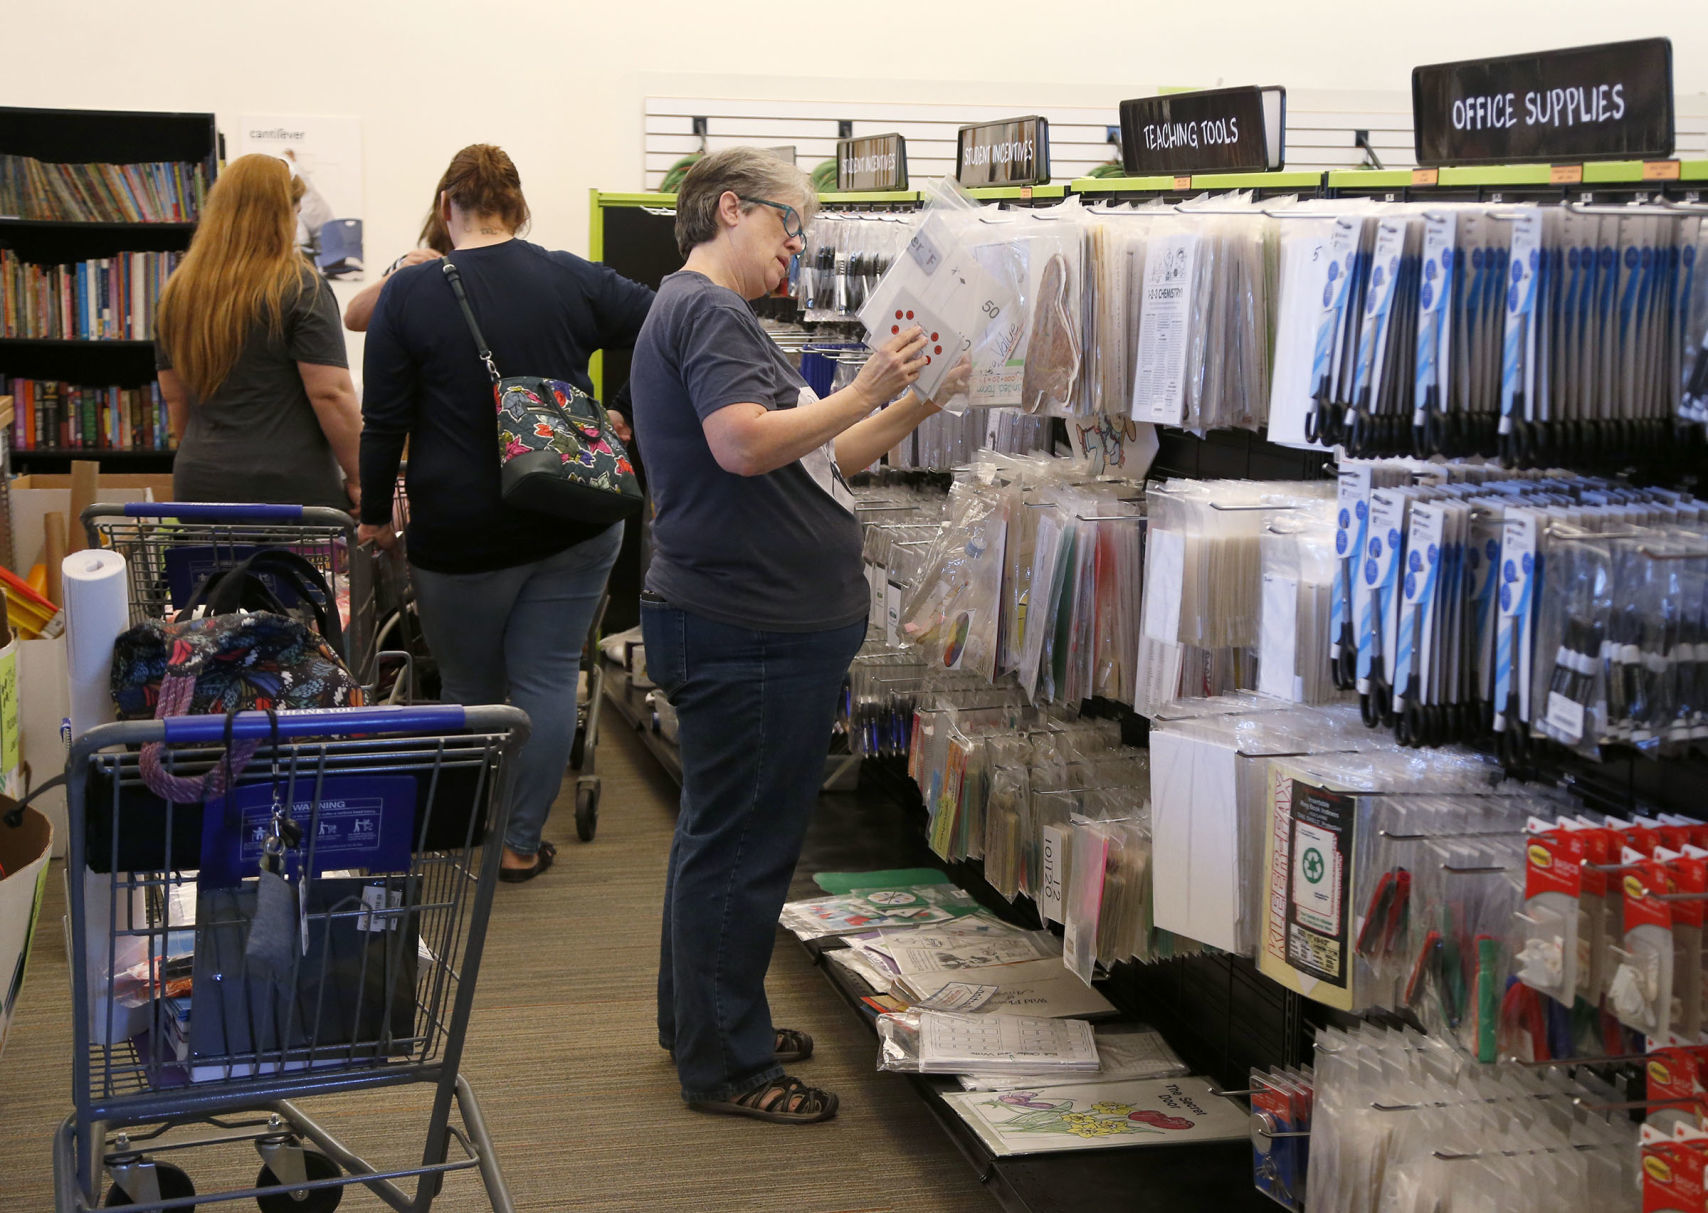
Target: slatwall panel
x,y
1320,123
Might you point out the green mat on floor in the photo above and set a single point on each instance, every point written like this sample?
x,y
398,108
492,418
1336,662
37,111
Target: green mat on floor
x,y
838,883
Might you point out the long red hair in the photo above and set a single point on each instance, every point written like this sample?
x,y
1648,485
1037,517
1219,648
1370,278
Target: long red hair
x,y
241,263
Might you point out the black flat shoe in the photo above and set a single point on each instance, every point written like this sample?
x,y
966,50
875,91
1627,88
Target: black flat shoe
x,y
542,860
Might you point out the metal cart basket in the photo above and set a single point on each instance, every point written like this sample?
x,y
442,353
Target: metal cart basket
x,y
170,546
316,931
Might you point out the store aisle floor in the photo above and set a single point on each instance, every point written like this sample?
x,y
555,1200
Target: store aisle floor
x,y
581,1101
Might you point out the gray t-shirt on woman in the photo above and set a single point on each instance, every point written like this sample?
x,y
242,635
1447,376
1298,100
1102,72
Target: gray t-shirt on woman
x,y
778,552
257,437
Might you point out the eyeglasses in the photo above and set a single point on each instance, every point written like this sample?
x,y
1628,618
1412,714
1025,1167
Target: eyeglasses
x,y
792,226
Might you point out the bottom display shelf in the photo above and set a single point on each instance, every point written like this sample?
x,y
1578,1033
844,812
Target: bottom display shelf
x,y
868,831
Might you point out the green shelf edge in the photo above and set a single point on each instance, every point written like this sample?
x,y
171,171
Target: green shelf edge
x,y
1117,185
1256,181
868,197
1006,193
1369,179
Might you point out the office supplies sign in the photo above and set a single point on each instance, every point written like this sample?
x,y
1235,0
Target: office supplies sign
x,y
1216,130
1012,152
871,162
1612,101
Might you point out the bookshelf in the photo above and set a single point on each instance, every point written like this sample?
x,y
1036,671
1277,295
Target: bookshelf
x,y
94,137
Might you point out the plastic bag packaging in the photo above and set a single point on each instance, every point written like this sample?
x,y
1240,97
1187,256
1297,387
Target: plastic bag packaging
x,y
942,1042
939,284
953,609
1125,1051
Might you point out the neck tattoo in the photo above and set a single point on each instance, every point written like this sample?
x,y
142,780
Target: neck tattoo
x,y
491,231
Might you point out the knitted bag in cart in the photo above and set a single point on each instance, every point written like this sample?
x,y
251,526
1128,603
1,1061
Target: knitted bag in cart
x,y
217,665
557,452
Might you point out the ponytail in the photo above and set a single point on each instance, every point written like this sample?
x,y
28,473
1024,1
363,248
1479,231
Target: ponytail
x,y
482,180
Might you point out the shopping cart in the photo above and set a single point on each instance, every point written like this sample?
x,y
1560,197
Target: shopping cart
x,y
584,752
385,821
169,547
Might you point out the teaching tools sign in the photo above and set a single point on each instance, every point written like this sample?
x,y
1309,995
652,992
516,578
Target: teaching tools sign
x,y
1012,152
1221,130
1612,101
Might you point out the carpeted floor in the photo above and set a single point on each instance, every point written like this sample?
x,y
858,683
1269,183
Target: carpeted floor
x,y
581,1102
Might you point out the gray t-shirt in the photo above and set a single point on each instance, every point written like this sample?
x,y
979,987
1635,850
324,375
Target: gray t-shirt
x,y
257,437
778,552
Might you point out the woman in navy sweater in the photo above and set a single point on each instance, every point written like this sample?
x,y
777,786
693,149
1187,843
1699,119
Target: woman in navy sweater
x,y
506,596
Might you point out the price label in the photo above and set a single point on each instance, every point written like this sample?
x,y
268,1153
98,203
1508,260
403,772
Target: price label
x,y
1565,174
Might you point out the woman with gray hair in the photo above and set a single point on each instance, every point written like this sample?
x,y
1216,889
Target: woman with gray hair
x,y
755,603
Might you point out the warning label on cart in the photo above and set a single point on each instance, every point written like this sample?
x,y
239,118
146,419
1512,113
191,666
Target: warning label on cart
x,y
341,821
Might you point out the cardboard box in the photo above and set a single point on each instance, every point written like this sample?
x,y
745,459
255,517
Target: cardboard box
x,y
36,496
23,858
44,699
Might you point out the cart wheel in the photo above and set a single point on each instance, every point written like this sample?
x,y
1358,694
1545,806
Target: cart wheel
x,y
173,1184
320,1200
586,811
578,751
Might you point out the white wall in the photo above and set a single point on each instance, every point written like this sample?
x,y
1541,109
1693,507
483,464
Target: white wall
x,y
561,85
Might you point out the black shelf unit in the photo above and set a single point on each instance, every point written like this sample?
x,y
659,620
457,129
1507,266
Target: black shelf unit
x,y
1218,1012
75,136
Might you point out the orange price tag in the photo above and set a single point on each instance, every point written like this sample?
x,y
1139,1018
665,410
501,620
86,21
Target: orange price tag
x,y
1026,193
1183,183
1565,174
1426,176
1661,170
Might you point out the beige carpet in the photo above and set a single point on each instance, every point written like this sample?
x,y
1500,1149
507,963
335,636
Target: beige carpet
x,y
581,1102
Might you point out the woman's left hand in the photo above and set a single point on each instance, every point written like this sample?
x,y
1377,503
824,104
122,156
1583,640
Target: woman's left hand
x,y
954,384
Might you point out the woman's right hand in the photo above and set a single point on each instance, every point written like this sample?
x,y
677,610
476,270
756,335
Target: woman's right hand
x,y
893,366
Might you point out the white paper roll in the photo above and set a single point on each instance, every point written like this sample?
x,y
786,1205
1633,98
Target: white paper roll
x,y
97,609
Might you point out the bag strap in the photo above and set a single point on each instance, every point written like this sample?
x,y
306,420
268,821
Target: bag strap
x,y
455,278
242,587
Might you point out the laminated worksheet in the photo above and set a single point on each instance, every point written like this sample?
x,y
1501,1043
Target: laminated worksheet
x,y
1103,1115
1125,1051
953,1044
1028,987
922,951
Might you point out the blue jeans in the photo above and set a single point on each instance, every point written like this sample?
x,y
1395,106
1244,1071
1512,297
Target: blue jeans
x,y
756,711
515,635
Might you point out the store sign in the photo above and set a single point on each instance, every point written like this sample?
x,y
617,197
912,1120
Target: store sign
x,y
1216,130
871,162
1612,101
1015,152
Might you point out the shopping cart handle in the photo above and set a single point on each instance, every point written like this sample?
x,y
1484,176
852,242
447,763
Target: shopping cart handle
x,y
318,722
213,511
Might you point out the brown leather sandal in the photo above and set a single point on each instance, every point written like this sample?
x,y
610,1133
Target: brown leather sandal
x,y
785,1101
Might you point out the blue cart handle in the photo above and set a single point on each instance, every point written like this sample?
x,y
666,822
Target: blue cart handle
x,y
318,722
210,511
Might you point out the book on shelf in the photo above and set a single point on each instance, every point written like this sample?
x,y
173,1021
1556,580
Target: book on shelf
x,y
51,415
155,192
104,299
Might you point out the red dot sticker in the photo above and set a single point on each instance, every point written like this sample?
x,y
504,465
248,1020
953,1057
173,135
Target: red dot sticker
x,y
928,360
934,337
898,313
895,328
936,349
910,315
